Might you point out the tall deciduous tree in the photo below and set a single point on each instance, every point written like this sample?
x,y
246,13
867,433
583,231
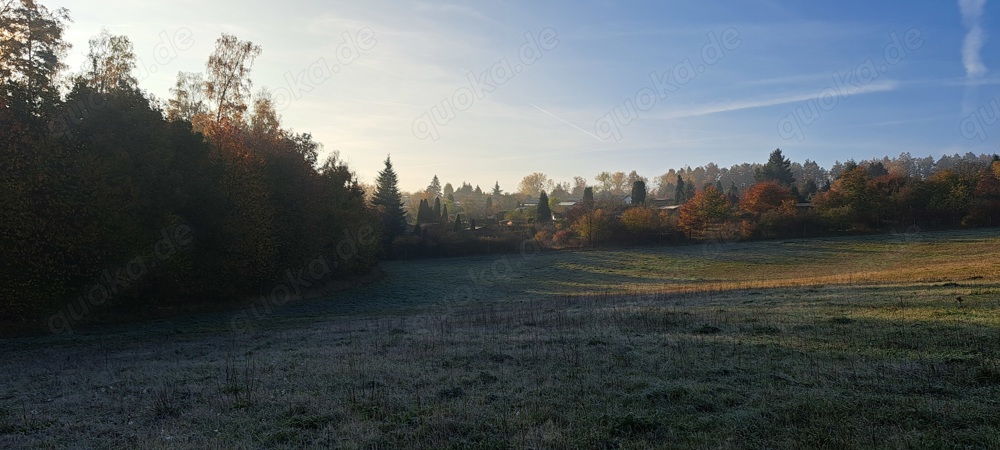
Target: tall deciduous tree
x,y
265,119
707,209
388,202
188,97
110,63
228,85
579,184
764,197
532,184
31,48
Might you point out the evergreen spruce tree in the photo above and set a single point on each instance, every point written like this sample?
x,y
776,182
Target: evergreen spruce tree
x,y
638,192
778,168
496,190
733,193
458,222
425,214
588,197
388,203
544,211
472,224
444,215
434,189
680,192
437,210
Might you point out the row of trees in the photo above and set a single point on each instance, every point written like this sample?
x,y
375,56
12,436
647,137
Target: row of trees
x,y
105,197
871,196
676,186
863,198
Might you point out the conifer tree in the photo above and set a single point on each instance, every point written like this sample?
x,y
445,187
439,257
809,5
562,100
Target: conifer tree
x,y
434,189
778,168
388,203
544,211
638,192
588,197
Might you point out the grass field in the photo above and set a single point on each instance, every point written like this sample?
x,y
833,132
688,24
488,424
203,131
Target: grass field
x,y
825,343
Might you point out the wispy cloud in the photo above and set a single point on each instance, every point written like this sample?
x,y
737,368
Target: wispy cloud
x,y
972,13
739,105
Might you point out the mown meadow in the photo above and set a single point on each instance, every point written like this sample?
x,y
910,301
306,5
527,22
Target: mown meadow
x,y
822,343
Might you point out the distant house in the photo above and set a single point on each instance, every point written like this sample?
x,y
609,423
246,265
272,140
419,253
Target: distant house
x,y
671,210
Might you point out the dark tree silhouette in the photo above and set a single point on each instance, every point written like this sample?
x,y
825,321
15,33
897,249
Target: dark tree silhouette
x,y
639,192
388,203
778,168
544,212
588,197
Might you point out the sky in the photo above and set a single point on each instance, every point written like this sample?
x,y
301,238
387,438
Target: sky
x,y
485,92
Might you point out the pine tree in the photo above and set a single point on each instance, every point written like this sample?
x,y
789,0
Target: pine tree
x,y
544,211
458,222
733,193
778,168
434,189
680,192
588,197
496,190
638,192
388,203
437,210
444,215
424,212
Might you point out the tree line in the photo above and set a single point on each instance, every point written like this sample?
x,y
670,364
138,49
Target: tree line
x,y
778,198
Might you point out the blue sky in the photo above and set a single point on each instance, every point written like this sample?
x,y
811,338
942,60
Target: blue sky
x,y
491,91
